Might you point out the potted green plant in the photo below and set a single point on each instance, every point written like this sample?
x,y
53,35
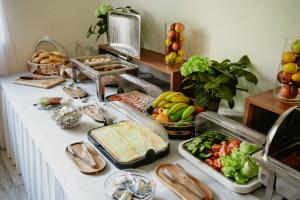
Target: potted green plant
x,y
101,27
213,81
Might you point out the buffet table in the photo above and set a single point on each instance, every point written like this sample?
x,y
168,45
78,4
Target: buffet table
x,y
37,146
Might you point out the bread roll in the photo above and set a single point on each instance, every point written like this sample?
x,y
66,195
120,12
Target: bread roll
x,y
44,55
45,61
37,60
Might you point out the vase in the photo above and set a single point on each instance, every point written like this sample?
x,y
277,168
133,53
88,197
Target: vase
x,y
175,42
287,82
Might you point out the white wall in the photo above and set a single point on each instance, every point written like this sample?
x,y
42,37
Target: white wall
x,y
65,21
218,28
223,29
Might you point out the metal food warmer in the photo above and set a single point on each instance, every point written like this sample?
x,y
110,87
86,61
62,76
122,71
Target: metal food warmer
x,y
280,158
124,29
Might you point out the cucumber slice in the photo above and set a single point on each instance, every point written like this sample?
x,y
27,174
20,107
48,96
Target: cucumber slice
x,y
191,147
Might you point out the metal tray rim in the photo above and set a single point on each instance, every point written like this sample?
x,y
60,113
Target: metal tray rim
x,y
226,134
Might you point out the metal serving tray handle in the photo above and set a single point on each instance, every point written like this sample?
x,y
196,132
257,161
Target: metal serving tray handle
x,y
238,129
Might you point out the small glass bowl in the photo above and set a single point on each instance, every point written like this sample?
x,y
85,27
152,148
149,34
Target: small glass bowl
x,y
131,179
67,117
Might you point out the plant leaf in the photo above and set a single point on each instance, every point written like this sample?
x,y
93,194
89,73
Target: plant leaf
x,y
250,77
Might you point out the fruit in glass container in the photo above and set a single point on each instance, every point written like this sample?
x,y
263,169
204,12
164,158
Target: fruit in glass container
x,y
289,91
288,57
168,42
181,52
171,35
175,46
179,27
290,68
168,49
167,59
296,77
295,47
181,37
173,55
172,27
284,78
178,59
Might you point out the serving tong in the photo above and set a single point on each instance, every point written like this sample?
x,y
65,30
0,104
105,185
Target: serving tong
x,y
84,156
180,182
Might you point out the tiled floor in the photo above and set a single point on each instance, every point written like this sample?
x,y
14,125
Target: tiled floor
x,y
11,184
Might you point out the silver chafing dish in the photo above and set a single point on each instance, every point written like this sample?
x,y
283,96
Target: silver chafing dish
x,y
280,158
123,37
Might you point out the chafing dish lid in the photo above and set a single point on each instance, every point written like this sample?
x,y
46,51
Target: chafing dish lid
x,y
124,28
211,120
283,139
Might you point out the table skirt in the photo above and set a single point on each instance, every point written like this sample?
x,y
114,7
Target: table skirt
x,y
40,183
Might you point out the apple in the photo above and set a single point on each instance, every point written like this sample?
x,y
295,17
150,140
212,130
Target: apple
x,y
289,91
179,27
168,42
168,49
175,46
290,68
295,47
172,27
284,78
171,35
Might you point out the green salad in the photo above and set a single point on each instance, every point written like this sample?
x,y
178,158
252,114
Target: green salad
x,y
228,155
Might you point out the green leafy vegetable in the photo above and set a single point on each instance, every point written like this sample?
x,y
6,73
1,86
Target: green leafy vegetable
x,y
248,148
239,165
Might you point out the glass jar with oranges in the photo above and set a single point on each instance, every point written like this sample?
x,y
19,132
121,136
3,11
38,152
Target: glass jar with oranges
x,y
288,78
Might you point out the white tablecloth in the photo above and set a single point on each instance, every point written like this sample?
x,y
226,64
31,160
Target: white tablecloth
x,y
37,146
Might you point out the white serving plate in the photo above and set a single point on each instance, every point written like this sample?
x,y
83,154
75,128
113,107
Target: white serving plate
x,y
235,187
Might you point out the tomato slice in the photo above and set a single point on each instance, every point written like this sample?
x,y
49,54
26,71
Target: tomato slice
x,y
210,162
216,147
223,150
217,163
231,146
235,141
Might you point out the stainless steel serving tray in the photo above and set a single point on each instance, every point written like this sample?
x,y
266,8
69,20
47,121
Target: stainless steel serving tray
x,y
113,67
124,33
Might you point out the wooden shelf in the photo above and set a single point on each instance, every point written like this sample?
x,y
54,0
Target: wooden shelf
x,y
262,110
153,60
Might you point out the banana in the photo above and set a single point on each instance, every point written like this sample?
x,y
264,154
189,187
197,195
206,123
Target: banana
x,y
162,103
188,112
169,105
165,112
160,98
180,99
170,96
177,115
176,107
189,119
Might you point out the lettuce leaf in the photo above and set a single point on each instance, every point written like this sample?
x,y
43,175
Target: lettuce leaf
x,y
248,148
250,168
